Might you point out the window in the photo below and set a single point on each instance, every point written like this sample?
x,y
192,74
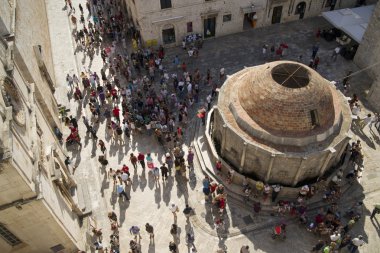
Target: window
x,y
7,235
168,35
165,4
189,27
314,118
227,18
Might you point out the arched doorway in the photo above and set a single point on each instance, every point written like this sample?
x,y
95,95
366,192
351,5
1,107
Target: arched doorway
x,y
168,34
300,9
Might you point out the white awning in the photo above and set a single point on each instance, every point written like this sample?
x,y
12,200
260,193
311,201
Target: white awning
x,y
351,21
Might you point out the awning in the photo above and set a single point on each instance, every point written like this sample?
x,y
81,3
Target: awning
x,y
351,21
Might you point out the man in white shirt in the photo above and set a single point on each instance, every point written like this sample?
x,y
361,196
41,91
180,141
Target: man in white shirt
x,y
355,109
174,209
366,121
356,243
335,53
208,99
276,191
335,236
121,192
189,88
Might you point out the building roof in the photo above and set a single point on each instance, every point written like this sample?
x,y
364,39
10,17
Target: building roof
x,y
282,102
283,97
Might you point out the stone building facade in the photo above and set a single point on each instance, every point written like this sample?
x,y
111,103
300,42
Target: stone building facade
x,y
280,122
38,211
368,56
167,22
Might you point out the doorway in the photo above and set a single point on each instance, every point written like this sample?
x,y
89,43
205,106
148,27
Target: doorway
x,y
300,9
250,20
168,35
209,27
277,12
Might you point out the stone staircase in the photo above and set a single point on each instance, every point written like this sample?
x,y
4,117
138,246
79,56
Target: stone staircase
x,y
237,198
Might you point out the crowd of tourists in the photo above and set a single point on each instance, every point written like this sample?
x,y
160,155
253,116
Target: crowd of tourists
x,y
134,93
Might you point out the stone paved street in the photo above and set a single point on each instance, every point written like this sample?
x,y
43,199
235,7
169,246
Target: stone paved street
x,y
150,202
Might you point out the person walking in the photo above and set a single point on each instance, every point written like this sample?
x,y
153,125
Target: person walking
x,y
314,51
276,191
355,244
133,160
174,209
172,247
135,230
102,146
113,218
187,211
366,121
141,159
190,238
149,228
164,172
335,53
120,190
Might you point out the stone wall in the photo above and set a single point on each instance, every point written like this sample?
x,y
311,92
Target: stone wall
x,y
368,54
34,223
32,30
273,166
152,20
29,174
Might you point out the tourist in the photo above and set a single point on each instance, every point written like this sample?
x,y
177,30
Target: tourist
x,y
174,209
135,231
172,247
120,190
149,229
141,159
218,167
164,172
113,217
276,191
133,160
187,211
355,244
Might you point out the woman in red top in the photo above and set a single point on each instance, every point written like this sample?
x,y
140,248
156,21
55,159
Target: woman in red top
x,y
116,113
141,159
125,169
218,167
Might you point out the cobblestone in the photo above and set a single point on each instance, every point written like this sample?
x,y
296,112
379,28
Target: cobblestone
x,y
150,203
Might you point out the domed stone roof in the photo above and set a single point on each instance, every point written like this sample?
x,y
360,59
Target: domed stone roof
x,y
287,98
282,102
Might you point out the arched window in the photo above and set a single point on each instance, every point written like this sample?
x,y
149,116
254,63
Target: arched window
x,y
300,8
